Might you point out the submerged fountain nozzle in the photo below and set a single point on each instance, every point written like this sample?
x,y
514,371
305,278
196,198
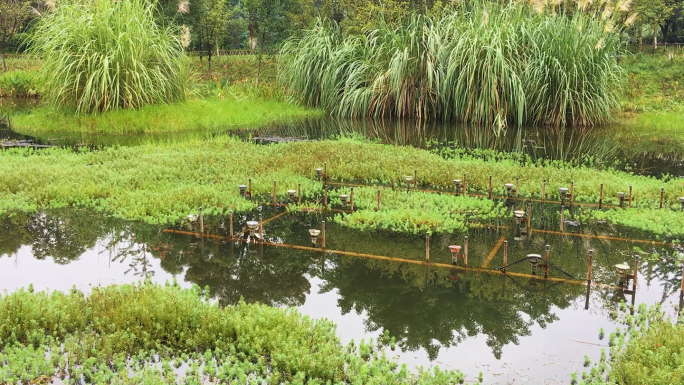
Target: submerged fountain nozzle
x,y
455,253
563,192
519,214
457,184
192,217
319,172
408,178
314,236
253,226
291,193
243,188
509,189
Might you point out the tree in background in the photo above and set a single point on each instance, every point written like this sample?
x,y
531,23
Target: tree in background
x,y
13,14
652,13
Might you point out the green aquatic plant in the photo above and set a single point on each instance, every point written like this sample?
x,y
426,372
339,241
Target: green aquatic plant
x,y
101,55
132,333
492,64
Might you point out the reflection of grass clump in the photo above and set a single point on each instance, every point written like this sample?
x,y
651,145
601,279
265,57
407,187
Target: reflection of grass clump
x,y
147,330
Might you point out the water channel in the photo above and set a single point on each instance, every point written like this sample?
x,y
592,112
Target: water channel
x,y
515,328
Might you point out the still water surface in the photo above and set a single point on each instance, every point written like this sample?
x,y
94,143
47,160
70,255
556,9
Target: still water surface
x,y
513,329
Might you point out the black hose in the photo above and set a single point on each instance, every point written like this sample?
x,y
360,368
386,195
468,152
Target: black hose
x,y
510,264
561,270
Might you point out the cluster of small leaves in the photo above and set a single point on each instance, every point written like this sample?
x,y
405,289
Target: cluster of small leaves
x,y
166,334
649,350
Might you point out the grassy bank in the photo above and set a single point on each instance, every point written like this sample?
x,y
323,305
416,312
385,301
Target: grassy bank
x,y
148,331
162,183
196,114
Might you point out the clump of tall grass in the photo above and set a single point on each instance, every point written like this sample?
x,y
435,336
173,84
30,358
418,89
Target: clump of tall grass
x,y
101,55
482,63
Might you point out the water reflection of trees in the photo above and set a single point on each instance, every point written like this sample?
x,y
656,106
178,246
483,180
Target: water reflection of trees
x,y
422,307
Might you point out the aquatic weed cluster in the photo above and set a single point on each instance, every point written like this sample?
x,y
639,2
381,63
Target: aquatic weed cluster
x,y
165,334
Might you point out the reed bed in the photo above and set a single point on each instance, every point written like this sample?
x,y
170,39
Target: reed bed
x,y
487,64
101,55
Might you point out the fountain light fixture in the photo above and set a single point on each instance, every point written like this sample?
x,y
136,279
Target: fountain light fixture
x,y
243,188
192,217
534,262
314,233
509,187
252,225
563,191
621,195
319,172
455,253
344,198
519,214
408,178
623,270
291,193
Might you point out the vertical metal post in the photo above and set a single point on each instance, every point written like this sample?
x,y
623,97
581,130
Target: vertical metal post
x,y
325,174
505,259
601,197
325,197
465,190
415,179
392,184
591,265
572,191
562,217
543,197
662,195
378,201
323,235
629,203
490,187
351,199
427,248
465,251
201,212
230,216
636,272
548,256
261,227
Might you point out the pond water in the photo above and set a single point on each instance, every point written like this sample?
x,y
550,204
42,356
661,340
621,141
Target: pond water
x,y
517,328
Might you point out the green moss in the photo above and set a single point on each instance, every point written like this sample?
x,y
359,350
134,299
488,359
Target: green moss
x,y
197,114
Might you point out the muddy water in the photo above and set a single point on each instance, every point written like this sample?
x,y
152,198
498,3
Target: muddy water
x,y
517,328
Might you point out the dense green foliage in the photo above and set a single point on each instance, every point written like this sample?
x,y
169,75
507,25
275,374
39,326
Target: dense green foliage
x,y
162,183
101,55
100,337
195,114
485,64
648,351
17,83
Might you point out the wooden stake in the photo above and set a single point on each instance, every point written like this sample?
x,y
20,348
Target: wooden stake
x,y
662,195
629,203
465,191
636,272
427,248
378,201
275,202
543,191
505,259
546,267
415,179
325,197
250,188
465,251
230,216
261,227
490,187
529,219
601,197
572,191
591,265
351,199
299,193
325,174
562,217
517,187
201,212
323,235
